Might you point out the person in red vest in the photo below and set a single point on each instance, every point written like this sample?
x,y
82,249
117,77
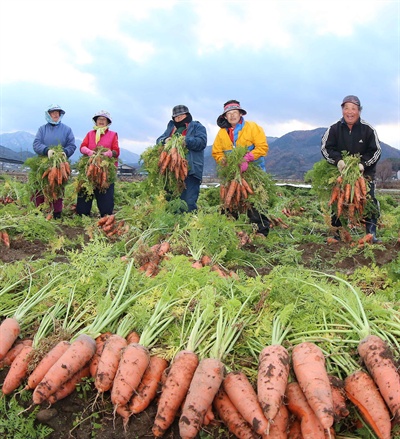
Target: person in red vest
x,y
101,135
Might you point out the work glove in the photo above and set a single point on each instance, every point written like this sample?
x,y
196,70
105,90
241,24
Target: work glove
x,y
108,153
341,165
50,153
87,151
64,156
361,167
247,158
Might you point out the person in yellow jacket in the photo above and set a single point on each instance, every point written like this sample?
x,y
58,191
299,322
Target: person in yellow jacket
x,y
235,131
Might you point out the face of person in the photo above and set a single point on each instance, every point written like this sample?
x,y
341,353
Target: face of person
x,y
233,117
180,117
101,121
351,113
55,115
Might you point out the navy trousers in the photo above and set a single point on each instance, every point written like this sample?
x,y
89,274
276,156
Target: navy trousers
x,y
104,200
191,194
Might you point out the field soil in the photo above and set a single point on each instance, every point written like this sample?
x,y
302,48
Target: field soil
x,y
85,415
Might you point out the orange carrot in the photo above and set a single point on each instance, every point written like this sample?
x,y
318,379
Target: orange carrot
x,y
94,362
44,365
165,163
294,431
339,398
309,367
363,393
230,192
18,371
108,363
279,426
147,389
14,351
244,398
363,186
134,361
174,390
133,337
340,203
222,192
204,386
6,239
231,417
273,373
9,332
347,192
379,361
297,403
247,186
77,355
68,387
162,157
206,260
331,240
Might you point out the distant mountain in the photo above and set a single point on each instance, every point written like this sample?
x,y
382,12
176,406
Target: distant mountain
x,y
289,156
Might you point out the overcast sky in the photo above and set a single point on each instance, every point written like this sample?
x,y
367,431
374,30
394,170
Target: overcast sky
x,y
289,63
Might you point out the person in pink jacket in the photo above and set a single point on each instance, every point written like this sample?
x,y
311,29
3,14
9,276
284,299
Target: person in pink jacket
x,y
102,136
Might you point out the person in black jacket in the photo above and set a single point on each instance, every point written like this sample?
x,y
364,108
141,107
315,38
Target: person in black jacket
x,y
355,136
196,141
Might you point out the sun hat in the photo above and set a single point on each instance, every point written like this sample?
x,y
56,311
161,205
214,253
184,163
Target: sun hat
x,y
179,109
54,107
233,105
352,100
102,113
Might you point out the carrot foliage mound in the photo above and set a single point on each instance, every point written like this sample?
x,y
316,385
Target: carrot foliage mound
x,y
49,176
95,172
240,190
167,166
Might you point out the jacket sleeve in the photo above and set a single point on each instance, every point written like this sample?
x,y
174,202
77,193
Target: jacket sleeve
x,y
373,149
221,143
115,146
165,134
85,143
329,148
196,138
70,146
38,146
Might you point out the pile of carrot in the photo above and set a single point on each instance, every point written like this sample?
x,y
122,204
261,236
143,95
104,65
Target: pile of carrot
x,y
173,158
151,259
111,227
234,194
55,177
5,238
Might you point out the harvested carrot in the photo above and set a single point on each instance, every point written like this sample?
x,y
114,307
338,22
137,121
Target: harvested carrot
x,y
133,337
339,398
209,417
174,390
204,386
108,363
14,351
123,411
134,361
18,371
279,426
347,193
378,358
94,362
244,398
150,382
77,355
69,386
363,393
272,378
247,186
9,332
297,404
5,238
231,417
44,365
230,193
309,367
294,431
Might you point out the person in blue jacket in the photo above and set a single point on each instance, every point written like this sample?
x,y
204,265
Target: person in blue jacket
x,y
196,141
53,133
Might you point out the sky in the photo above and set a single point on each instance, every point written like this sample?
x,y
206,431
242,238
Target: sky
x,y
288,62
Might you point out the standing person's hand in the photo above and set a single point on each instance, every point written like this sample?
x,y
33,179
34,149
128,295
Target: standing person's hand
x,y
108,153
64,156
341,165
87,151
361,167
50,153
247,158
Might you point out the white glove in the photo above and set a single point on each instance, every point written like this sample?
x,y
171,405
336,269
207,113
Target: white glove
x,y
50,153
341,165
361,167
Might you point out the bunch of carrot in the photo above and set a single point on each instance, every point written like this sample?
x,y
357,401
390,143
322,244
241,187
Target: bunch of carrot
x,y
5,238
150,260
173,158
234,194
111,227
55,177
97,169
349,192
